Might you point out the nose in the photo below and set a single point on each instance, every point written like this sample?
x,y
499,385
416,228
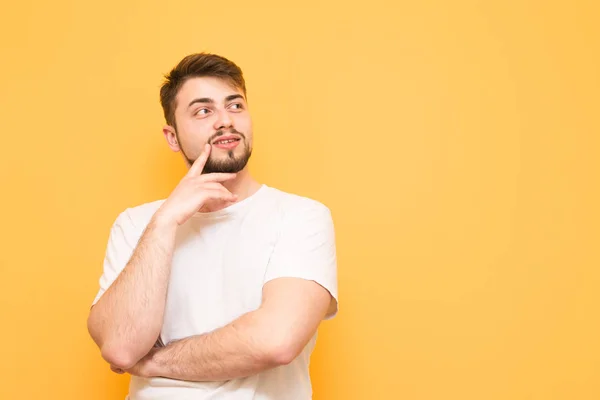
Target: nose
x,y
223,120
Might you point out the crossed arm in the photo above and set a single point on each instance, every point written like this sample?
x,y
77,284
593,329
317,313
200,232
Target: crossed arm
x,y
271,336
127,319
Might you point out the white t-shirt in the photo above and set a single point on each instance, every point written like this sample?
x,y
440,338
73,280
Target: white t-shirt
x,y
221,261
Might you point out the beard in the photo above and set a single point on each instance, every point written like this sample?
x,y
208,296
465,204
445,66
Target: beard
x,y
230,163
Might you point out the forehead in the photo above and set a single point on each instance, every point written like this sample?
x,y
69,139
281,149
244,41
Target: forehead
x,y
206,87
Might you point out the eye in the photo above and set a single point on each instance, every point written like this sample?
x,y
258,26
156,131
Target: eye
x,y
202,111
236,106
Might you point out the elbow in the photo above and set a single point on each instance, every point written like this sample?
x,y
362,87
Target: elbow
x,y
281,353
118,357
112,352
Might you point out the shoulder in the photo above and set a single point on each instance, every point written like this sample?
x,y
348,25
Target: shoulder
x,y
293,206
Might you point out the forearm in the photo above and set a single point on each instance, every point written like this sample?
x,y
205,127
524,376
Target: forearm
x,y
239,349
127,319
273,335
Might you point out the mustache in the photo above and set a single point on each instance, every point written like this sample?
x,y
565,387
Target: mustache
x,y
221,132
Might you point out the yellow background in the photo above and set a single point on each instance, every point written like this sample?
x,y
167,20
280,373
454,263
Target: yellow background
x,y
456,143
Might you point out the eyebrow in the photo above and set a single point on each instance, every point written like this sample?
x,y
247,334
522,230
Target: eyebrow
x,y
208,100
233,97
201,100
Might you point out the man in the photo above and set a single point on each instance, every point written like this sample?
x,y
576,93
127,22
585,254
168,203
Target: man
x,y
217,291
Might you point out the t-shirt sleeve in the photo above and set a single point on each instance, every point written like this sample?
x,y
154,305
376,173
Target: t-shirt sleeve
x,y
121,243
306,249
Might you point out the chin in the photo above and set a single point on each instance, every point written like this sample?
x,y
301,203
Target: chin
x,y
233,163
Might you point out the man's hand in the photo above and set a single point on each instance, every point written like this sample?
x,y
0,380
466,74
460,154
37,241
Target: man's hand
x,y
194,191
128,316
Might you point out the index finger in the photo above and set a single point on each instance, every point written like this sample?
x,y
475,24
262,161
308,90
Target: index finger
x,y
198,165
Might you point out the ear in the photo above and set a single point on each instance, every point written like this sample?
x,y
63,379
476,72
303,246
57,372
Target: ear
x,y
171,137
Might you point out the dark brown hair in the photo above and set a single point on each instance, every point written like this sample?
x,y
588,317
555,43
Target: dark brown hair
x,y
196,66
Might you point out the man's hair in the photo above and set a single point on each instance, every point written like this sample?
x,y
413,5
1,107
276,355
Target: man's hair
x,y
197,66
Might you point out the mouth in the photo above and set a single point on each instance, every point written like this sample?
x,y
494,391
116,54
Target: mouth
x,y
227,142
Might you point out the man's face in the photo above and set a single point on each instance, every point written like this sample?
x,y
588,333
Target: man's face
x,y
210,110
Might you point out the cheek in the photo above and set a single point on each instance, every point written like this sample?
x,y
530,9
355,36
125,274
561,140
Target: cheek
x,y
244,125
194,129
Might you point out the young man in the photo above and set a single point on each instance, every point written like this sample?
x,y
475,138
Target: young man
x,y
216,292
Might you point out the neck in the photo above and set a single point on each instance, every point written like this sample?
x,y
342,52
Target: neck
x,y
244,185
